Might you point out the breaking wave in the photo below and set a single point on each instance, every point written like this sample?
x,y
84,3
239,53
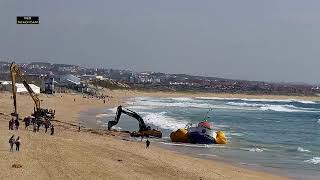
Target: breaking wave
x,y
282,108
165,122
168,104
300,149
259,100
149,103
272,107
253,149
139,107
217,98
236,134
314,160
182,99
318,121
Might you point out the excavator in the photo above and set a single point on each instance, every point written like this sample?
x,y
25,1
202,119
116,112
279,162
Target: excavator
x,y
39,112
144,130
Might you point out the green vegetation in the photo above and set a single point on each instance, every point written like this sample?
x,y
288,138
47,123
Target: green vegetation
x,y
109,84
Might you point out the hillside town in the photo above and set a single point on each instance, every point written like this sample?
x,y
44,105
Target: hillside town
x,y
88,80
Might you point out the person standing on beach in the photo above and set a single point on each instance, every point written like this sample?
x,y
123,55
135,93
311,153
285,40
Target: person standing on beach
x,y
10,124
38,125
52,130
25,120
46,125
17,124
147,144
34,127
11,142
18,142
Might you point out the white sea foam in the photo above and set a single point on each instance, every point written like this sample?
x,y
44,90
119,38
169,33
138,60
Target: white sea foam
x,y
300,149
182,99
113,110
233,107
190,145
254,149
98,121
272,107
139,107
168,104
306,102
236,134
318,121
279,100
165,122
314,160
259,100
280,108
217,98
244,104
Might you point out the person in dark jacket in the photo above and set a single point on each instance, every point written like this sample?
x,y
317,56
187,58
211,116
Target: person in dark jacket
x,y
147,143
11,142
46,125
10,124
17,124
18,142
52,130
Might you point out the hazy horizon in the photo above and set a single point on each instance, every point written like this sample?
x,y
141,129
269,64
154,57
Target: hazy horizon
x,y
272,41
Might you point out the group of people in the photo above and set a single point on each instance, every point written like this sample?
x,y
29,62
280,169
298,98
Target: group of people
x,y
13,141
37,123
14,124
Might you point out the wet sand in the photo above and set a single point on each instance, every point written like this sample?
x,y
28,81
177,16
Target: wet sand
x,y
97,154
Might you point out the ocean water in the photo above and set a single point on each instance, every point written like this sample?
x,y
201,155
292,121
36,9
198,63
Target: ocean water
x,y
277,135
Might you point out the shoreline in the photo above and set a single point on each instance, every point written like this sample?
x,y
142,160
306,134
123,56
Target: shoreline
x,y
68,147
96,111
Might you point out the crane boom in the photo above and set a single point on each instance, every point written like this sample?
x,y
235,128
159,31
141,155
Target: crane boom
x,y
14,69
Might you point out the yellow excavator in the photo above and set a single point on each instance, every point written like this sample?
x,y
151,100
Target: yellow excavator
x,y
38,111
144,130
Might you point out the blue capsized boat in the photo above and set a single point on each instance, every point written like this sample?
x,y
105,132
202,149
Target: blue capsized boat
x,y
202,134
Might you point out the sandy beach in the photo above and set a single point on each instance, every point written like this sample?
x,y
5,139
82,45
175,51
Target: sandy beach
x,y
96,154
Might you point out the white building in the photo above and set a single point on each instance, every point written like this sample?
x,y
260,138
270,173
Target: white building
x,y
6,85
68,79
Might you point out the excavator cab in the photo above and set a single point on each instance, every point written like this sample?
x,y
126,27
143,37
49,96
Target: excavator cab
x,y
144,130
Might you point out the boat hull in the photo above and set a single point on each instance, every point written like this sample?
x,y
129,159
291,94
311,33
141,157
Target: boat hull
x,y
200,138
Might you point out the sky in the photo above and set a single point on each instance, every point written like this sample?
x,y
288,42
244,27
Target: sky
x,y
274,40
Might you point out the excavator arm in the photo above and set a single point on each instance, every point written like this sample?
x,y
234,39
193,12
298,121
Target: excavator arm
x,y
14,69
120,110
144,130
